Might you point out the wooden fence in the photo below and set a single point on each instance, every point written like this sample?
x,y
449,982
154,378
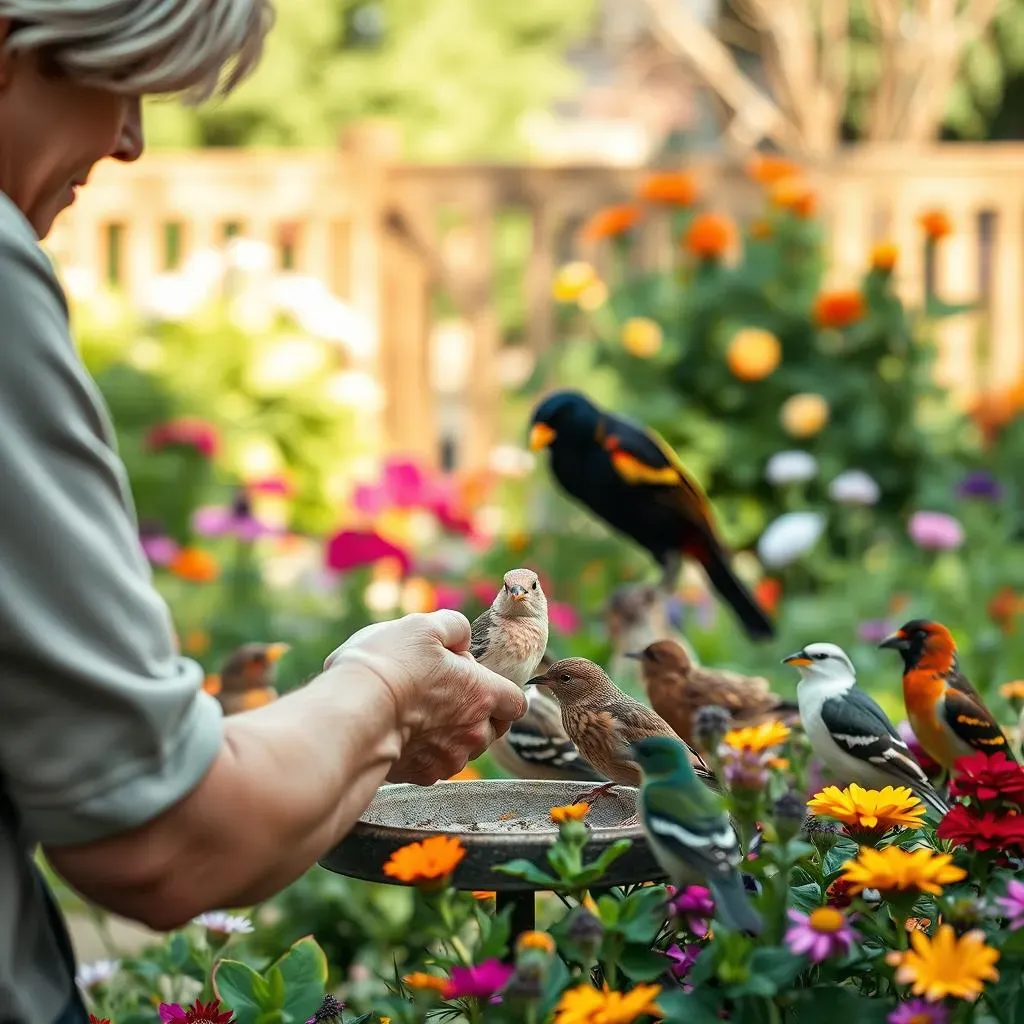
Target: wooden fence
x,y
379,233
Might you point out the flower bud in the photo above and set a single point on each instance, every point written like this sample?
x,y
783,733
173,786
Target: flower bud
x,y
586,931
789,814
822,833
710,724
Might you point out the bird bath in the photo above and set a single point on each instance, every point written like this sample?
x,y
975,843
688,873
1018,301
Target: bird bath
x,y
497,820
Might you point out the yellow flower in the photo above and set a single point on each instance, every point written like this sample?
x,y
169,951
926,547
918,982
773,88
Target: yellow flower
x,y
569,812
384,1020
641,337
757,737
753,353
893,870
1014,690
804,415
872,809
430,861
944,965
536,940
420,981
586,1005
594,296
572,280
197,642
884,256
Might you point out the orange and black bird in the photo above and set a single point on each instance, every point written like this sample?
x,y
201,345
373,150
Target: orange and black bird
x,y
947,714
247,678
629,476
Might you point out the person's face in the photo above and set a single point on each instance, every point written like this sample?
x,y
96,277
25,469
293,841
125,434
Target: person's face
x,y
52,132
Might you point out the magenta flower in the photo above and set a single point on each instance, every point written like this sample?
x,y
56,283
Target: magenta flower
x,y
683,958
234,520
693,905
352,549
480,982
563,617
1012,904
171,1013
402,484
935,531
820,935
918,1011
156,545
874,631
186,432
446,596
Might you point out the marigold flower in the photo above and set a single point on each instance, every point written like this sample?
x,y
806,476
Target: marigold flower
x,y
753,353
981,832
642,337
794,194
586,1005
611,222
935,224
569,812
536,940
895,870
431,860
804,415
839,308
945,965
766,168
884,256
709,235
420,981
195,565
757,737
985,777
1013,691
670,188
572,280
875,810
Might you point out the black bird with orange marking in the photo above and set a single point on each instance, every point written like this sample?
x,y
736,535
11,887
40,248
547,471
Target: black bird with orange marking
x,y
629,476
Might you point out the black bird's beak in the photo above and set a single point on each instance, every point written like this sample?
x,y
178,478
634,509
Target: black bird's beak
x,y
541,436
517,592
797,660
896,642
635,655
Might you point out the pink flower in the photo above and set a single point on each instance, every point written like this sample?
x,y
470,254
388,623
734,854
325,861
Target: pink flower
x,y
683,958
449,597
822,934
935,531
277,485
563,617
187,432
917,1011
171,1013
1012,904
480,982
693,904
350,549
235,520
159,548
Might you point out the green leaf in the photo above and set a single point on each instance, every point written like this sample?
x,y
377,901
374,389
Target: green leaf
x,y
304,970
699,1007
528,872
837,1003
275,989
611,854
495,936
179,952
779,966
235,985
642,914
807,897
641,963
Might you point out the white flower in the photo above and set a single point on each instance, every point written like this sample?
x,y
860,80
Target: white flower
x,y
793,467
223,923
854,487
90,975
509,460
790,536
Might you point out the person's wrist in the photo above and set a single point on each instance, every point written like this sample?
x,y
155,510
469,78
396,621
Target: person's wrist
x,y
358,670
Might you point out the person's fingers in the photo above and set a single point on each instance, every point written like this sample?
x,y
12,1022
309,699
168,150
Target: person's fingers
x,y
500,727
507,701
479,739
452,628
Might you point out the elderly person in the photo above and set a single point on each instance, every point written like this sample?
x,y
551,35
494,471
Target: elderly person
x,y
111,756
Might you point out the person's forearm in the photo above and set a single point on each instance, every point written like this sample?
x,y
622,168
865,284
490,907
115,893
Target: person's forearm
x,y
291,779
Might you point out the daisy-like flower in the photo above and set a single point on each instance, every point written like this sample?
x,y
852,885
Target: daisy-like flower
x,y
893,871
981,832
693,905
429,862
820,935
223,923
917,1011
197,1013
93,1019
586,1005
946,965
569,812
986,777
1012,904
765,736
97,973
869,810
480,982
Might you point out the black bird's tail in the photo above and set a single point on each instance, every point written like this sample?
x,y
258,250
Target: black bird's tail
x,y
736,595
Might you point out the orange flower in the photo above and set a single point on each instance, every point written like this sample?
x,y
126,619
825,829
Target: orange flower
x,y
766,169
569,812
709,235
536,940
420,981
1013,691
197,642
753,353
468,774
795,195
935,224
195,565
672,188
839,308
611,222
768,592
1004,607
761,230
432,860
483,895
804,415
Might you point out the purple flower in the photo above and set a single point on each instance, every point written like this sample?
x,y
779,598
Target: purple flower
x,y
822,934
980,484
171,1013
159,548
235,520
351,549
744,769
935,531
683,958
874,631
693,905
480,982
1012,904
918,1011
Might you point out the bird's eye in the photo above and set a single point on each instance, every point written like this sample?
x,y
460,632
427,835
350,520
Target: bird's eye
x,y
819,656
565,677
534,584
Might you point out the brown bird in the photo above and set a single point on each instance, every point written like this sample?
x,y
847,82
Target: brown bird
x,y
603,721
247,678
678,689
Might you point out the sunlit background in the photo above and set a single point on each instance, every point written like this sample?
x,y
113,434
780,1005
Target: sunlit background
x,y
786,234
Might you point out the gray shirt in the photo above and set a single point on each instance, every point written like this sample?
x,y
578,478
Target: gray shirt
x,y
102,725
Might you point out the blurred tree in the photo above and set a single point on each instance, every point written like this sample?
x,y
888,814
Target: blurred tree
x,y
455,75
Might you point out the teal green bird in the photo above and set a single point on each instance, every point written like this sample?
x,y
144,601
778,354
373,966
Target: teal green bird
x,y
689,831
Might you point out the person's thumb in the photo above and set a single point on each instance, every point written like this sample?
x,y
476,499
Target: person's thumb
x,y
452,628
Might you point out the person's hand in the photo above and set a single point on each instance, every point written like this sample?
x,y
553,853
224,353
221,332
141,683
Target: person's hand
x,y
449,708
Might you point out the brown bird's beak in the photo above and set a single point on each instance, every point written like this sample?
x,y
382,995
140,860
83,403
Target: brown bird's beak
x,y
518,593
896,642
539,681
541,435
277,651
635,655
798,659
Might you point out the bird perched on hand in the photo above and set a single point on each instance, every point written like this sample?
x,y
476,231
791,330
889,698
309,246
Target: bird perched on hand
x,y
678,689
603,721
628,476
511,636
849,732
689,830
947,714
247,678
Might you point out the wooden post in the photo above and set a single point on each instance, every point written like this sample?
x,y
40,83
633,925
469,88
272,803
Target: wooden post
x,y
1006,319
956,280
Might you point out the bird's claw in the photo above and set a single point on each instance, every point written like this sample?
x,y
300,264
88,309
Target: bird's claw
x,y
589,797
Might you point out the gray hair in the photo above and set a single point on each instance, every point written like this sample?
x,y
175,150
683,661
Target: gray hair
x,y
198,48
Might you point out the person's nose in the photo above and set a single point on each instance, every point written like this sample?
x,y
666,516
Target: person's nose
x,y
130,143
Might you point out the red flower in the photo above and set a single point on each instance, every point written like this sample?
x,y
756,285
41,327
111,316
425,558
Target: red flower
x,y
984,777
982,832
838,894
93,1019
187,432
197,1013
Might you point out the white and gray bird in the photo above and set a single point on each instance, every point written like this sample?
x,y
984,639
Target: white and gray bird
x,y
511,636
847,729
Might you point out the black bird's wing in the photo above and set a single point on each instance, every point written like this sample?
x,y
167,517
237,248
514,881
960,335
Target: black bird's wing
x,y
540,749
968,718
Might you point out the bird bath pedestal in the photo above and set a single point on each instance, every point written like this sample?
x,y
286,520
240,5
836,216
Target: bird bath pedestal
x,y
497,820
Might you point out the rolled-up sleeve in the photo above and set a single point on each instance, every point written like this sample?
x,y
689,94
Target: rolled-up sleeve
x,y
102,725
